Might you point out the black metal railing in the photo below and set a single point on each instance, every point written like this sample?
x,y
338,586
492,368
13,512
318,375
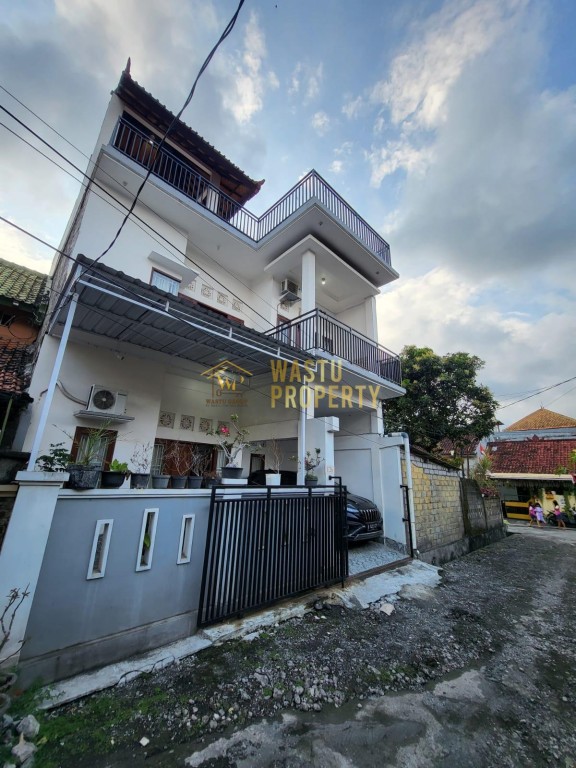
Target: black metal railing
x,y
143,149
316,330
266,546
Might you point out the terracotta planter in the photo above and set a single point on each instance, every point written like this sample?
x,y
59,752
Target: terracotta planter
x,y
232,472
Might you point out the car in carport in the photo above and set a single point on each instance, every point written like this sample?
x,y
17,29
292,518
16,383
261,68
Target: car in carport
x,y
363,516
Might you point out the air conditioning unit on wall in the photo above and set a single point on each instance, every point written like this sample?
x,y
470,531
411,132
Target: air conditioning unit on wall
x,y
106,401
289,290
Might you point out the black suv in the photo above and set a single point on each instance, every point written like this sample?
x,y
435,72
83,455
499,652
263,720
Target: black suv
x,y
364,517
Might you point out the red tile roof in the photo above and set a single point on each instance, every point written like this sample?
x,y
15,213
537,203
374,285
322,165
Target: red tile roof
x,y
13,360
542,419
537,455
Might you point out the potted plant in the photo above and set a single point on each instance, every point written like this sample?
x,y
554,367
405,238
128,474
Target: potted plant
x,y
274,460
211,479
56,460
232,440
114,476
311,462
140,461
85,470
200,460
178,458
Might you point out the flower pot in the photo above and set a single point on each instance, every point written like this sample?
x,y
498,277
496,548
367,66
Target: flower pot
x,y
112,479
194,481
82,477
160,481
139,480
273,478
311,481
210,482
232,472
179,481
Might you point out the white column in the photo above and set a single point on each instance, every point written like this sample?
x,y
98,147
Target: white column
x,y
308,289
24,546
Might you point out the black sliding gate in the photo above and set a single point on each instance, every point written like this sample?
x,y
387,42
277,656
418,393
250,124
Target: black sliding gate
x,y
265,545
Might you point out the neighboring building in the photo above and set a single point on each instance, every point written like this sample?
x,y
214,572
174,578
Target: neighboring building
x,y
23,302
532,457
201,308
467,453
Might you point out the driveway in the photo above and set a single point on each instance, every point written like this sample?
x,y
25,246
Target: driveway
x,y
479,671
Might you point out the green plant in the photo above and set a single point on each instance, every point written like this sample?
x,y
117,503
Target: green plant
x,y
56,460
118,466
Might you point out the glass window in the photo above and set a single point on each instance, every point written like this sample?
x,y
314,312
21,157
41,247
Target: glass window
x,y
165,283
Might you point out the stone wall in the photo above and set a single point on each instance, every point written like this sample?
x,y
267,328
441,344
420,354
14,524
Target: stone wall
x,y
450,514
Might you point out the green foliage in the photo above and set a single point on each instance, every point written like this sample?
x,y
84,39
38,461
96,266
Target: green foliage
x,y
56,460
443,399
118,466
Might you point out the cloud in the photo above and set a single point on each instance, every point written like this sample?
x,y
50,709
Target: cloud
x,y
441,310
353,107
306,81
422,75
396,155
321,123
336,166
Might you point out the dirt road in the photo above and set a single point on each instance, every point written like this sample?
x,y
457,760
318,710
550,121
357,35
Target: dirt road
x,y
480,671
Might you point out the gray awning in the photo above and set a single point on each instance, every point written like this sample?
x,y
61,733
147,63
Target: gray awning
x,y
125,310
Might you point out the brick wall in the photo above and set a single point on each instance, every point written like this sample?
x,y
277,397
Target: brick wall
x,y
437,504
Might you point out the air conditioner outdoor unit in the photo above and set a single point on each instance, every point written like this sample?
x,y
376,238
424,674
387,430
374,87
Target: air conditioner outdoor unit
x,y
289,290
107,401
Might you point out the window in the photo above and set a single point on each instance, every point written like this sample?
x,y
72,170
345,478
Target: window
x,y
165,282
158,459
93,446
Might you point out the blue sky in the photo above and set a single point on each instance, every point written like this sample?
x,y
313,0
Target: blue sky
x,y
449,126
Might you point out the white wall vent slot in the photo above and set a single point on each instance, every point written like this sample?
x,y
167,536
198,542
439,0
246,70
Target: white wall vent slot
x,y
147,539
289,290
100,546
106,400
186,537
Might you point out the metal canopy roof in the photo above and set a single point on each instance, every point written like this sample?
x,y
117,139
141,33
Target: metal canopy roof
x,y
123,309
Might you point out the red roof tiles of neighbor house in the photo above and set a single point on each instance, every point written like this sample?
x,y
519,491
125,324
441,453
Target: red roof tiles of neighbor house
x,y
13,360
536,456
542,419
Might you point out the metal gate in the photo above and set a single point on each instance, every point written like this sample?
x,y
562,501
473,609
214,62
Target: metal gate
x,y
263,546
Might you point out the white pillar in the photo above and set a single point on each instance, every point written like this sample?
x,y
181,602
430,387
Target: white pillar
x,y
320,434
308,290
24,546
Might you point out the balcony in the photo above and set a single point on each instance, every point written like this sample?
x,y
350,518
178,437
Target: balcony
x,y
143,149
317,331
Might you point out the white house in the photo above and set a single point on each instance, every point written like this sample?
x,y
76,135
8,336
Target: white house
x,y
201,309
198,312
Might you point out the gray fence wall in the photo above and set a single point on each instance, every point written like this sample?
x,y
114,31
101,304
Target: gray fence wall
x,y
78,622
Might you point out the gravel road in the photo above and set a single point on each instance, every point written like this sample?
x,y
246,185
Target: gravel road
x,y
479,671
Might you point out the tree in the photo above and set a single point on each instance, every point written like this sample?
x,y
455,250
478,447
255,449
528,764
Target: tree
x,y
442,400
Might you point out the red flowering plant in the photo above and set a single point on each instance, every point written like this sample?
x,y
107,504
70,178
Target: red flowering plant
x,y
231,439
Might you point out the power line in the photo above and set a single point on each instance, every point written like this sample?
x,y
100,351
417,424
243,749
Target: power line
x,y
208,59
539,392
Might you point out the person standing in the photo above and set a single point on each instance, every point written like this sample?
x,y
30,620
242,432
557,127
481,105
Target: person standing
x,y
539,515
531,514
558,513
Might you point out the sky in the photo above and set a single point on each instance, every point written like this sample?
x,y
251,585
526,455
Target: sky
x,y
448,125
